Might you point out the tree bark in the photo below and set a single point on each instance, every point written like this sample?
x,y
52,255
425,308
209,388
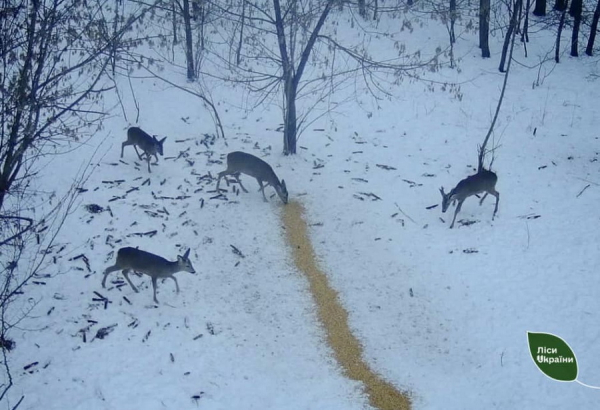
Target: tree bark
x,y
540,8
575,12
512,27
189,44
290,119
590,45
560,29
452,21
484,27
238,53
174,12
525,33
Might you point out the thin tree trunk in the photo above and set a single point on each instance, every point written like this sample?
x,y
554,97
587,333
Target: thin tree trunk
x,y
575,11
560,29
113,61
290,119
452,20
174,12
238,53
512,27
484,27
203,13
483,148
590,45
189,50
525,34
289,134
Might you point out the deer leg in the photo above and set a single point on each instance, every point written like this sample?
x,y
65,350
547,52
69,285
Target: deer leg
x,y
128,280
154,288
221,175
456,212
262,189
123,145
148,160
106,272
497,195
237,177
176,284
481,201
137,152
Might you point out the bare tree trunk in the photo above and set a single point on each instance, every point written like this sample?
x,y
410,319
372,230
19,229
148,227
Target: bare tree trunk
x,y
174,11
113,48
203,12
189,50
484,28
560,29
452,21
590,45
483,148
289,132
290,119
540,8
292,79
362,8
575,12
525,33
238,53
375,9
512,28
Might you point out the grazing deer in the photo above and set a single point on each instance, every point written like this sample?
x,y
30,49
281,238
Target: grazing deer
x,y
240,162
149,144
483,181
152,265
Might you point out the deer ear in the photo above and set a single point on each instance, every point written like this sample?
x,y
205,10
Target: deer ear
x,y
162,140
186,254
442,190
283,184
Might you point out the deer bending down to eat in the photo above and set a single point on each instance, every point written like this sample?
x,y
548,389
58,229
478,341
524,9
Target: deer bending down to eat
x,y
240,162
157,267
147,143
483,181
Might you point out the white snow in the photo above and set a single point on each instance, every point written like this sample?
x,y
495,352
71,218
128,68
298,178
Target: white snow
x,y
441,313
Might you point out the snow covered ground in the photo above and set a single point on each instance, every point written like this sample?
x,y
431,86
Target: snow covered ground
x,y
441,313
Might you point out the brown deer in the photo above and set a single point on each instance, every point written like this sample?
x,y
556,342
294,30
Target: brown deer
x,y
241,162
132,259
148,144
483,181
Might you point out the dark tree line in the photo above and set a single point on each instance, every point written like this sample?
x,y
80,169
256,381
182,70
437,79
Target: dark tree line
x,y
576,11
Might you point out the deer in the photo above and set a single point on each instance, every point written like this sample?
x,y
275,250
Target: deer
x,y
149,144
241,162
482,181
157,267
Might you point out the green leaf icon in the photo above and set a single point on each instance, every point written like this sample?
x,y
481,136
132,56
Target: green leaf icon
x,y
553,356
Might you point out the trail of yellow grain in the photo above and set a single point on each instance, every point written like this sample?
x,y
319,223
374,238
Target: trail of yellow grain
x,y
347,349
